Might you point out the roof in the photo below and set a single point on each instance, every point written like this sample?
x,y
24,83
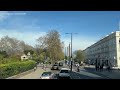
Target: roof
x,y
64,74
65,69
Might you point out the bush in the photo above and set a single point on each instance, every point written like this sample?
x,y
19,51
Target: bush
x,y
8,60
13,68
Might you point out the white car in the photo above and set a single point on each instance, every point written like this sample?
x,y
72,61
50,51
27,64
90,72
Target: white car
x,y
64,73
76,64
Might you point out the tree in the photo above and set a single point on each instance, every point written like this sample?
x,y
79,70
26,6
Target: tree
x,y
26,52
13,47
4,54
51,45
54,45
79,56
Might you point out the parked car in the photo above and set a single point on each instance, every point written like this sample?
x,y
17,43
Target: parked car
x,y
55,67
46,75
64,74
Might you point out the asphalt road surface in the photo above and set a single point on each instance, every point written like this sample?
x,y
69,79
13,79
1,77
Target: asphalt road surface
x,y
83,74
86,74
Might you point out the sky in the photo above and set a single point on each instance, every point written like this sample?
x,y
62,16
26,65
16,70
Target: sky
x,y
90,26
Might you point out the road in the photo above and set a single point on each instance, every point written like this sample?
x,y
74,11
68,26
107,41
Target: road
x,y
83,74
86,74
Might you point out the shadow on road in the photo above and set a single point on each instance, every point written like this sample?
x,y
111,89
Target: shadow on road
x,y
92,70
76,75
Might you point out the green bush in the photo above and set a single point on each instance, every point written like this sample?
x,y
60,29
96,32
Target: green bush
x,y
13,68
9,60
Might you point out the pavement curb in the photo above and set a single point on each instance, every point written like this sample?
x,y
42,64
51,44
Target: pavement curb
x,y
21,74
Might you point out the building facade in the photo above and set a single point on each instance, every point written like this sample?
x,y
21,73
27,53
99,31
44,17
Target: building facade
x,y
108,48
25,57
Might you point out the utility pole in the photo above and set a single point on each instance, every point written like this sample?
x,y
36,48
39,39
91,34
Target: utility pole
x,y
119,25
65,52
71,52
71,48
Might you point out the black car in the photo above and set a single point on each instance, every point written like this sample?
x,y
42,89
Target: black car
x,y
55,67
60,64
54,76
64,77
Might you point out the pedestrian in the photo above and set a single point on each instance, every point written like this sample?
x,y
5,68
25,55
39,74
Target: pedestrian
x,y
43,66
96,64
78,68
108,68
102,66
35,68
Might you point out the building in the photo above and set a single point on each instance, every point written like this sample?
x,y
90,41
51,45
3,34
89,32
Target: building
x,y
108,48
25,57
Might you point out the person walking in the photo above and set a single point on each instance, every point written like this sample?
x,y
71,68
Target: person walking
x,y
101,66
43,66
78,67
110,65
96,66
35,68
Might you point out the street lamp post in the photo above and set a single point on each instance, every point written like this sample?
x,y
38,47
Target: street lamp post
x,y
71,52
71,48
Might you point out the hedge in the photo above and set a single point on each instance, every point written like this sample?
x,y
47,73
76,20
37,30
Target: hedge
x,y
10,69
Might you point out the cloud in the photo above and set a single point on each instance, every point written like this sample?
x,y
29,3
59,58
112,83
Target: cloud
x,y
3,15
79,41
27,37
19,27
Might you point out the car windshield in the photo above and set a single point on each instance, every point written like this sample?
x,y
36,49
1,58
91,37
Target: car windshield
x,y
64,71
55,65
46,73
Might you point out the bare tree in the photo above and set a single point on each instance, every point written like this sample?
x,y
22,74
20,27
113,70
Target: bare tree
x,y
13,46
53,45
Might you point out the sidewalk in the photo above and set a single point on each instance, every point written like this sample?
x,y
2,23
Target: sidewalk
x,y
113,74
35,74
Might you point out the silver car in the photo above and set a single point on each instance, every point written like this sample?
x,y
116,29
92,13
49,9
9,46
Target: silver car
x,y
64,73
46,75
